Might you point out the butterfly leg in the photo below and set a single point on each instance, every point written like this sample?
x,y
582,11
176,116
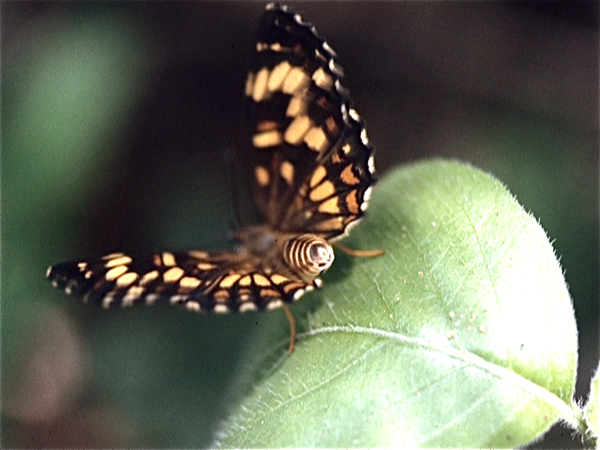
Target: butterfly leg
x,y
359,253
292,321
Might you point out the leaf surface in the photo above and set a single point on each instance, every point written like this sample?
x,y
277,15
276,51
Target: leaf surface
x,y
461,335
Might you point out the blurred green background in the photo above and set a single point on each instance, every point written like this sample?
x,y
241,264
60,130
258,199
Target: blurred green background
x,y
117,119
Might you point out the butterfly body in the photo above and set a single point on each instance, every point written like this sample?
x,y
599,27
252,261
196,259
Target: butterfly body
x,y
312,171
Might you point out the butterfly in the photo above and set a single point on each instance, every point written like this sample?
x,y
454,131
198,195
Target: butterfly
x,y
312,175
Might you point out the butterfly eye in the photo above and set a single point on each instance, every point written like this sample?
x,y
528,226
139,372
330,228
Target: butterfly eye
x,y
308,255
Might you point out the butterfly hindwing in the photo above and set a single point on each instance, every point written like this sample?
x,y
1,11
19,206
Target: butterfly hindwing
x,y
201,281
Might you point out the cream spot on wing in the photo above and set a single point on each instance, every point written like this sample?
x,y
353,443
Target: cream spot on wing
x,y
149,277
205,266
293,286
317,176
297,106
335,223
249,88
267,293
189,282
168,259
322,79
244,295
316,139
119,261
173,274
113,255
276,47
297,129
260,85
115,273
322,191
261,280
330,206
262,176
278,76
278,279
286,170
127,279
295,81
267,139
246,280
135,291
221,295
200,254
229,281
133,294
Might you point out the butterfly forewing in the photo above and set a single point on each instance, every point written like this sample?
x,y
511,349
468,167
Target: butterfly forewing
x,y
304,130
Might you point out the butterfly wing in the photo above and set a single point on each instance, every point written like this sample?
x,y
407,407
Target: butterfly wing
x,y
313,166
219,282
312,172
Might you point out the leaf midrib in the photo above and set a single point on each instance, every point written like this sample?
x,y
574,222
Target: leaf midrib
x,y
471,359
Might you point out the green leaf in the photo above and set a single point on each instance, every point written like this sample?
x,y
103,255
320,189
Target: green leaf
x,y
461,335
591,411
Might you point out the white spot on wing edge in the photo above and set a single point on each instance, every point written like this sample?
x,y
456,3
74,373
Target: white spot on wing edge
x,y
107,301
274,304
363,136
193,305
366,197
299,293
371,164
221,309
328,49
247,306
151,298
